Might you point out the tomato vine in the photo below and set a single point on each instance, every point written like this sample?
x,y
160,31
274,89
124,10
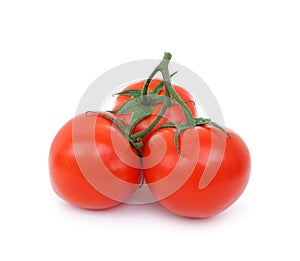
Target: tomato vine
x,y
141,105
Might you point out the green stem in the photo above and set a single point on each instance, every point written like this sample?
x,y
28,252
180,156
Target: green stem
x,y
167,57
145,98
146,85
163,67
144,132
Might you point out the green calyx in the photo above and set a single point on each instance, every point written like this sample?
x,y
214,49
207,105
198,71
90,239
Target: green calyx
x,y
139,111
141,105
186,126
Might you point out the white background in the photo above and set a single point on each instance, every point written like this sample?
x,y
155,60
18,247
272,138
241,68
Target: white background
x,y
248,52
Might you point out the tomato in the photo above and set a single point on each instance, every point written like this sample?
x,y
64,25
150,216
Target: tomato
x,y
84,167
175,180
173,114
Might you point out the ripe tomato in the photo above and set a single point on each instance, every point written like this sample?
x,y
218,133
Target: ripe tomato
x,y
84,167
173,114
175,180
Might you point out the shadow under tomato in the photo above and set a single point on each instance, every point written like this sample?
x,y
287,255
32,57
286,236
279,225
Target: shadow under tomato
x,y
156,213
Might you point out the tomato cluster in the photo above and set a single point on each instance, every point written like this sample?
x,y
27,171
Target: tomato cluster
x,y
99,159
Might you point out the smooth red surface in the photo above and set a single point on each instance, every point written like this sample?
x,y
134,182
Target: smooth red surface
x,y
226,187
66,176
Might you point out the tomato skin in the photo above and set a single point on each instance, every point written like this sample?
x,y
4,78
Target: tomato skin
x,y
173,114
224,189
67,178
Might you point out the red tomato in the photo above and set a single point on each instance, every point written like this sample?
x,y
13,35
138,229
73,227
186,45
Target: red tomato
x,y
173,114
175,180
84,167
